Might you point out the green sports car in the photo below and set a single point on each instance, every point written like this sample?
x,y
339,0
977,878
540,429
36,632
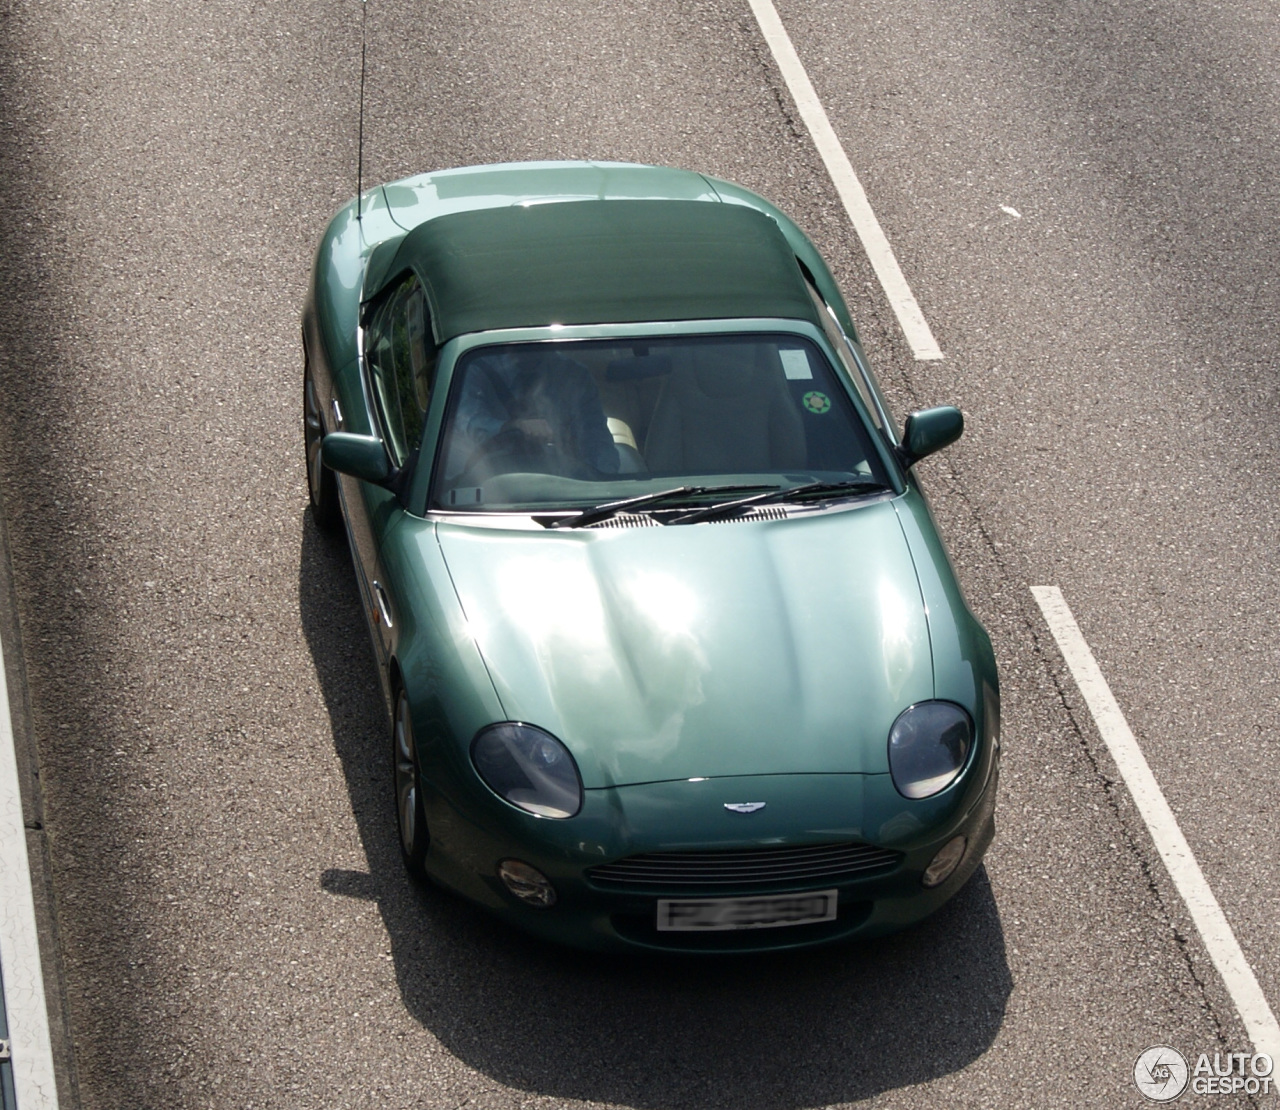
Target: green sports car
x,y
673,655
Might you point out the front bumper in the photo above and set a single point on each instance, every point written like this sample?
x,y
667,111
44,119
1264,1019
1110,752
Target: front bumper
x,y
690,816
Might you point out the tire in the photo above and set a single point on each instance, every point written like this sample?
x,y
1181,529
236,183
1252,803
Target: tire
x,y
322,483
411,819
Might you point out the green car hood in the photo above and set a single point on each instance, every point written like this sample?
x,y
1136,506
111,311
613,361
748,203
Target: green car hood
x,y
736,648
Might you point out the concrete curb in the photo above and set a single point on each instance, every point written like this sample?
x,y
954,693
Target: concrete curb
x,y
66,1095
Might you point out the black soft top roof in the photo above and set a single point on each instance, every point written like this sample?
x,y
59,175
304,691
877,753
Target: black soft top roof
x,y
602,261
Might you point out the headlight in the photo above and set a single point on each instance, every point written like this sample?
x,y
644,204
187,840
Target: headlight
x,y
928,746
529,768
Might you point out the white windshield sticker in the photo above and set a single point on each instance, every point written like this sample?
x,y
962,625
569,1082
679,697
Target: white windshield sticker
x,y
795,364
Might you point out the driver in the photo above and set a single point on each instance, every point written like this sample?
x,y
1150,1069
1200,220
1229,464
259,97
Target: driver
x,y
544,398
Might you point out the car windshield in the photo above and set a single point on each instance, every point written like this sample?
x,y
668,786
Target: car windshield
x,y
573,424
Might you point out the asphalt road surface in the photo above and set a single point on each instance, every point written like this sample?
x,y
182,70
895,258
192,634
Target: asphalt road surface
x,y
1083,196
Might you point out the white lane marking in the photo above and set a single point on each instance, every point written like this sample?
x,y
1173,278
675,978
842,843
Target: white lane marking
x,y
895,286
1209,919
32,1053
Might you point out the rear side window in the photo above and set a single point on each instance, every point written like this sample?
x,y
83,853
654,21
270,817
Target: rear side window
x,y
402,359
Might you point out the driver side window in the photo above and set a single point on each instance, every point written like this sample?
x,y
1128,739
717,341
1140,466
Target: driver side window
x,y
401,357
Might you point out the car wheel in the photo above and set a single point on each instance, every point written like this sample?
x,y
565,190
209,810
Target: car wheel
x,y
411,820
322,484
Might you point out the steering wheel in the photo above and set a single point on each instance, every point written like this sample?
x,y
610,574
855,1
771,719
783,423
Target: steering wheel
x,y
513,449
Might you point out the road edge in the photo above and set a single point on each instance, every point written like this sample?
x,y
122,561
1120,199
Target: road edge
x,y
26,755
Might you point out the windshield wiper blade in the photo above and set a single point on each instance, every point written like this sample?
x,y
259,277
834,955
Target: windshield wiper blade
x,y
820,491
810,491
644,501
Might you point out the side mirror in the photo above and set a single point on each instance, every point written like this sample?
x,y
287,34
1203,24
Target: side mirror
x,y
927,431
362,457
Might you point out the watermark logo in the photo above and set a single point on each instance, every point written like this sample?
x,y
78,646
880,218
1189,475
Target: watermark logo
x,y
1161,1073
1232,1073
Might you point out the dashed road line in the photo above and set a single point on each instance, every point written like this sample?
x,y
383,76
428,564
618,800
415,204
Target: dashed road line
x,y
903,301
1211,923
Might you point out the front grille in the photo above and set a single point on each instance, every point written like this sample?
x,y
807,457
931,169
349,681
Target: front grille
x,y
745,868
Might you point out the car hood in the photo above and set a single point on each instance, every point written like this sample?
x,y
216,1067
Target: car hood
x,y
737,648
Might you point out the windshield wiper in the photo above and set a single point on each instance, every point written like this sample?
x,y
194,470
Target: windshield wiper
x,y
811,491
644,501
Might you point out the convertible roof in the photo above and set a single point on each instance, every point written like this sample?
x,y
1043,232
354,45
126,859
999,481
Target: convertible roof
x,y
603,261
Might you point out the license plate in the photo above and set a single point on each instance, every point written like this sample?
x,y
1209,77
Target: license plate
x,y
698,915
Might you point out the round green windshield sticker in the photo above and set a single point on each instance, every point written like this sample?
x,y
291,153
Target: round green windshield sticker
x,y
817,402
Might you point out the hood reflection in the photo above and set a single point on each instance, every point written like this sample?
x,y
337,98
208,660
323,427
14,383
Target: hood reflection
x,y
701,651
618,652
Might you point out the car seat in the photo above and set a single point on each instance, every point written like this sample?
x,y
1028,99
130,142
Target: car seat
x,y
725,409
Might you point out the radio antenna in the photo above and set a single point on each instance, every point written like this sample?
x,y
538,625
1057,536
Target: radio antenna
x,y
364,9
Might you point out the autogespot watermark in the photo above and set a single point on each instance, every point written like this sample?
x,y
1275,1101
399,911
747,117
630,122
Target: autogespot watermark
x,y
1162,1073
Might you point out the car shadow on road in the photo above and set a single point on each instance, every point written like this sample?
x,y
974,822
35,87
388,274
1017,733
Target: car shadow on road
x,y
784,1031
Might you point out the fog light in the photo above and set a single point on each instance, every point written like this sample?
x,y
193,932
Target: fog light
x,y
946,861
528,883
